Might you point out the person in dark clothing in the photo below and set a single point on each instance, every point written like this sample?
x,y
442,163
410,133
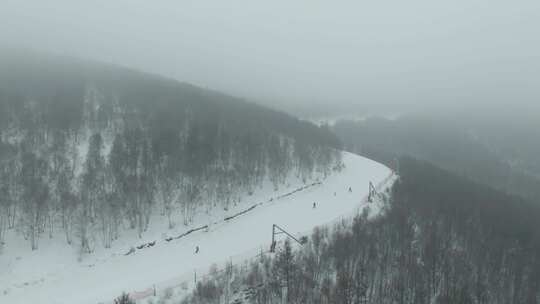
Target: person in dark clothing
x,y
196,249
314,205
350,189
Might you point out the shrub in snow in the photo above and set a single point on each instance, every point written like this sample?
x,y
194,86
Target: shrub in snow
x,y
124,299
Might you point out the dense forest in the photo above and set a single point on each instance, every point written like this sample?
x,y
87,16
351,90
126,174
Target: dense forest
x,y
86,148
443,239
495,151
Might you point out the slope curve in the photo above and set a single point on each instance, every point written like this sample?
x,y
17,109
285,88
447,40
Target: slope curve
x,y
168,263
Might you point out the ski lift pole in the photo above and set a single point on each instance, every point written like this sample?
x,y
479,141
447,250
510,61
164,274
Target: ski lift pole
x,y
273,245
372,192
281,231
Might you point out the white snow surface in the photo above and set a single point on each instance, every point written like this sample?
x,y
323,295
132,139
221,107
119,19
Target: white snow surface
x,y
52,274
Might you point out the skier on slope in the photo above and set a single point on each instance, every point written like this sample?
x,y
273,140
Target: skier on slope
x,y
314,205
196,249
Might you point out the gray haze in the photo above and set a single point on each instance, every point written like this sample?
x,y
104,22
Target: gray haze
x,y
298,54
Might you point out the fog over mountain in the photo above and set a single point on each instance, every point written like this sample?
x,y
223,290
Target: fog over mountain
x,y
304,55
148,149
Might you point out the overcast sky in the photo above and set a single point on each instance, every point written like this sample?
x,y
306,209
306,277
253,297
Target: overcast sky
x,y
304,52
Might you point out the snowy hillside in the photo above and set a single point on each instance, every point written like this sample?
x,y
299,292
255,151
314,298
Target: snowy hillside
x,y
53,274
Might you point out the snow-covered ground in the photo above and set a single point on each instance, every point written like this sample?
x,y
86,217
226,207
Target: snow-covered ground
x,y
53,275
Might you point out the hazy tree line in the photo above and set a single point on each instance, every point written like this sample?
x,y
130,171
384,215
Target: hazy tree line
x,y
443,239
495,152
88,151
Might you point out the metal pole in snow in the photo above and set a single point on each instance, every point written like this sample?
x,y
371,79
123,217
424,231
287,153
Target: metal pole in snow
x,y
272,246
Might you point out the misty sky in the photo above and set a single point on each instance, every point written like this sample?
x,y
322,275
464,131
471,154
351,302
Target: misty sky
x,y
304,52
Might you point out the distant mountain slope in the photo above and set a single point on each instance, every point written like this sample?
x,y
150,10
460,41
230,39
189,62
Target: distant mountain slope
x,y
60,88
460,145
86,146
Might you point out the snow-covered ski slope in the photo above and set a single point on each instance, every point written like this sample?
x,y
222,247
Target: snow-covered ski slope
x,y
55,278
